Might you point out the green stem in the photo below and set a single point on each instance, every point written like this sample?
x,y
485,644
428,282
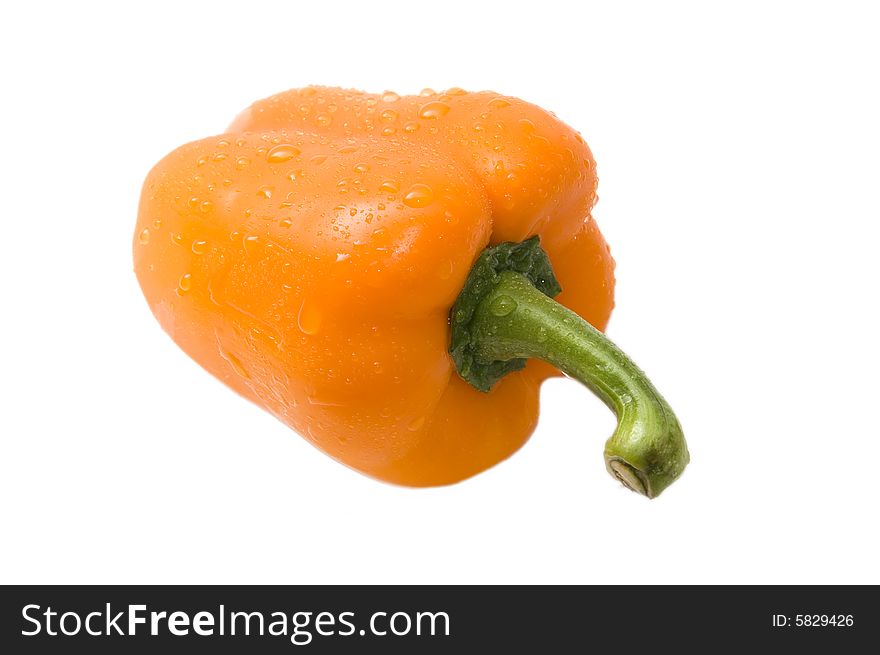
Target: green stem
x,y
514,320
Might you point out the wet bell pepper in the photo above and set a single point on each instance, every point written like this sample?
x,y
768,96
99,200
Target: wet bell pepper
x,y
394,276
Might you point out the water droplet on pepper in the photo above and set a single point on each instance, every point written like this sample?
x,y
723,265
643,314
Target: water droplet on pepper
x,y
418,195
281,153
435,109
445,270
185,283
309,318
526,125
502,305
250,243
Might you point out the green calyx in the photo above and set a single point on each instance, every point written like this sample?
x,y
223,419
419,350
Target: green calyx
x,y
506,314
526,258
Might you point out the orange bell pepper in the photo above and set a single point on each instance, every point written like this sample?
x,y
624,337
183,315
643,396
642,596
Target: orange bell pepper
x,y
310,256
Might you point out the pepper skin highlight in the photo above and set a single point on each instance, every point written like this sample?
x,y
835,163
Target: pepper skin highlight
x,y
310,257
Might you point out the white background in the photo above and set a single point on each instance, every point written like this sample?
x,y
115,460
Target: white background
x,y
739,159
